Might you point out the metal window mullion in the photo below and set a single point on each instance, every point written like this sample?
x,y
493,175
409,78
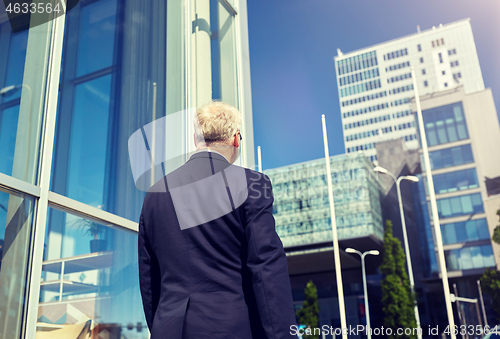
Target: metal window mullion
x,y
50,111
188,59
239,80
228,7
69,205
13,185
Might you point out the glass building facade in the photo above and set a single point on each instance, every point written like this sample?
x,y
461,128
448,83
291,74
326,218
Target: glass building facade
x,y
301,205
72,92
458,193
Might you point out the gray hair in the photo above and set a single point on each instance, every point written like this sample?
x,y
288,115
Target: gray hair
x,y
216,122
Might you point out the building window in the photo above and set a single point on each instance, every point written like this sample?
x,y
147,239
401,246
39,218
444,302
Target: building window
x,y
445,124
426,83
456,181
445,84
423,72
432,43
461,205
421,60
442,41
443,72
419,48
396,54
449,157
471,230
440,58
469,258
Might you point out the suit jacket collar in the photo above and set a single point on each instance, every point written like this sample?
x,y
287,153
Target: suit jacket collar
x,y
205,154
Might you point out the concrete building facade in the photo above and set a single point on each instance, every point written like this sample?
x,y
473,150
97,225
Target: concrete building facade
x,y
375,85
462,132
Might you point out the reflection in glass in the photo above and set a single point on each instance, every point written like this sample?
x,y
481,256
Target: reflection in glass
x,y
115,63
16,219
223,54
89,278
8,129
465,204
88,142
97,31
455,181
12,65
12,59
445,124
469,258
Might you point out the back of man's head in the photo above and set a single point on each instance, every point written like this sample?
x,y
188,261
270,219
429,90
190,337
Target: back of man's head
x,y
216,123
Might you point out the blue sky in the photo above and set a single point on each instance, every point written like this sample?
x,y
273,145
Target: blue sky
x,y
292,45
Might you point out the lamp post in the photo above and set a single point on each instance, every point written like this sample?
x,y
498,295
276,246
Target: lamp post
x,y
405,236
365,291
482,302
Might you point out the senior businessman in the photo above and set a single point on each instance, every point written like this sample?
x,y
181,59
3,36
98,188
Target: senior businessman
x,y
210,262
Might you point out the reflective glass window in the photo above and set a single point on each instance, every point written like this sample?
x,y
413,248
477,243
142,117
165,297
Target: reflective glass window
x,y
465,259
223,54
476,257
16,221
21,99
470,258
452,260
487,252
451,157
8,130
461,205
463,231
90,279
449,234
482,229
114,82
12,57
445,124
472,230
456,181
96,36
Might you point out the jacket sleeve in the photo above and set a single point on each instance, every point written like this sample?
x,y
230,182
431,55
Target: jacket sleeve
x,y
267,261
149,274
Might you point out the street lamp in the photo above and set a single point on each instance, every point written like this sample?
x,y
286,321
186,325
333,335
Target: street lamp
x,y
405,236
365,291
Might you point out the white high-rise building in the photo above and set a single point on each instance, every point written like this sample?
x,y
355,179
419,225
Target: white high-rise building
x,y
375,84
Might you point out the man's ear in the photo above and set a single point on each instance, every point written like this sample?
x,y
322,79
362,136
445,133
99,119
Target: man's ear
x,y
236,140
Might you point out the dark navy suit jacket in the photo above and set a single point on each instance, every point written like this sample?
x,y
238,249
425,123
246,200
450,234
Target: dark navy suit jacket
x,y
224,278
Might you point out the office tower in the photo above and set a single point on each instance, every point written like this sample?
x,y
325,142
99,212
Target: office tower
x,y
302,213
375,85
72,92
462,134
